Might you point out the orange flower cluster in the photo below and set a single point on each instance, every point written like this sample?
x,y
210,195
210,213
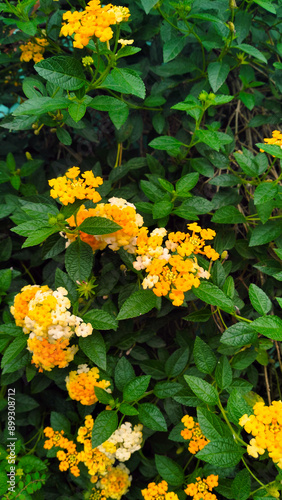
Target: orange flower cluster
x,y
266,427
158,492
173,269
193,432
201,489
71,187
44,315
275,139
110,482
33,50
117,210
81,384
69,459
93,21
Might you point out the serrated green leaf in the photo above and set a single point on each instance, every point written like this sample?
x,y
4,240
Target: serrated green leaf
x,y
100,320
228,215
79,260
217,74
211,425
238,335
105,425
166,389
204,358
40,105
270,326
211,294
136,388
186,183
241,485
63,71
223,373
221,453
60,422
173,47
94,347
260,301
16,347
169,470
124,372
252,51
151,416
265,233
203,390
137,304
98,225
176,363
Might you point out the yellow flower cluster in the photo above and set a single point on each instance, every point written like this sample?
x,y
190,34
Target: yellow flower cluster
x,y
275,139
173,269
110,482
193,432
81,384
117,210
202,488
158,492
44,315
266,427
71,187
33,50
93,21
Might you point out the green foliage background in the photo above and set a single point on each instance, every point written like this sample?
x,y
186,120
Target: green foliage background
x,y
173,125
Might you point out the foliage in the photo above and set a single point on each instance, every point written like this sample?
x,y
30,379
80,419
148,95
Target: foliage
x,y
141,288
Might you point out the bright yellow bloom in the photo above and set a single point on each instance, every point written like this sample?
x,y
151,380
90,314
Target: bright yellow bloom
x,y
265,424
158,492
46,356
173,268
33,50
81,384
94,21
20,308
200,490
193,433
117,210
71,187
276,139
116,482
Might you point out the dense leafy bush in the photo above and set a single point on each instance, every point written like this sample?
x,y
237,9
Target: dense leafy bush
x,y
141,248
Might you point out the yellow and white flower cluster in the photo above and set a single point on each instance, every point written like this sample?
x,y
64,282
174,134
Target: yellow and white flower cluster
x,y
123,442
44,315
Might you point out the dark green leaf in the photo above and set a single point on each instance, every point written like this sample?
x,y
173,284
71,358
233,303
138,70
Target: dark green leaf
x,y
94,347
105,425
169,470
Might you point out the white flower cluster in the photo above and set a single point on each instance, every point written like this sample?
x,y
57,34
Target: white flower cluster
x,y
48,317
123,442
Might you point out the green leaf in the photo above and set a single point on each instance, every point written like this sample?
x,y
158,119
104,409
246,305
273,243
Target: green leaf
x,y
123,373
228,215
211,425
79,260
186,183
210,138
138,303
166,389
265,233
173,47
63,71
217,74
211,294
125,81
77,110
5,279
243,359
204,358
40,105
270,326
13,350
29,167
151,416
107,103
100,320
247,99
162,209
169,470
238,335
267,5
105,425
98,225
241,485
119,117
136,388
63,279
94,347
260,301
152,192
252,51
38,236
265,192
63,136
223,373
127,409
176,363
167,143
33,87
221,453
203,390
272,149
237,406
102,395
148,5
247,164
60,422
200,316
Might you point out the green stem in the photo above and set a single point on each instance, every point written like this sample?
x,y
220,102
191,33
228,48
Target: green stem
x,y
252,474
234,434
